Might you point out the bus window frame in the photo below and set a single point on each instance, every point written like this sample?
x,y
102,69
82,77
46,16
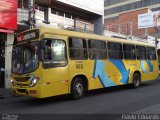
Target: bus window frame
x,y
134,52
122,53
83,39
42,52
155,54
89,48
137,53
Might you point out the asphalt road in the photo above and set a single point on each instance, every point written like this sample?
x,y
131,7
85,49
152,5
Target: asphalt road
x,y
111,101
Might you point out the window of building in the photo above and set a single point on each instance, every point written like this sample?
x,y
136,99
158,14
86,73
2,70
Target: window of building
x,y
129,51
151,53
77,48
115,50
131,6
23,4
111,2
97,49
141,52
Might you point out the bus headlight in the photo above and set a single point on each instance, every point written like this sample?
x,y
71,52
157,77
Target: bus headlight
x,y
12,81
34,81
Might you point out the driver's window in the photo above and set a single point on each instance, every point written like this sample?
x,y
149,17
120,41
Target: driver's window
x,y
47,50
54,53
55,50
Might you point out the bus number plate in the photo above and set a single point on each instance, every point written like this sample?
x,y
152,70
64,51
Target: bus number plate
x,y
79,66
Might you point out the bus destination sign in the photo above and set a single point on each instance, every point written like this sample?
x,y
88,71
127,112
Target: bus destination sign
x,y
29,35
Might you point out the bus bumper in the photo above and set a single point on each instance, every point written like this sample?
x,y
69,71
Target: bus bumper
x,y
29,91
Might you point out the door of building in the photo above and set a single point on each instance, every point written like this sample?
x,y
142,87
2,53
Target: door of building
x,y
3,38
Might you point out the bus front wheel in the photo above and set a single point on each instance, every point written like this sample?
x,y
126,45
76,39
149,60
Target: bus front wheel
x,y
136,80
77,88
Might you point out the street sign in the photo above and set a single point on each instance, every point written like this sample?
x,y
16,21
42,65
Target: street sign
x,y
149,20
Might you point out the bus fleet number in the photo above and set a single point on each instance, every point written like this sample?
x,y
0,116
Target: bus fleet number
x,y
79,66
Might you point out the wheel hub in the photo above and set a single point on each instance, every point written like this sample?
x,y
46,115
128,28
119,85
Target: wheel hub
x,y
136,81
79,88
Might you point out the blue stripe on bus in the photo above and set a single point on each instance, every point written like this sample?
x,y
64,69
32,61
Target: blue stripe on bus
x,y
122,69
101,74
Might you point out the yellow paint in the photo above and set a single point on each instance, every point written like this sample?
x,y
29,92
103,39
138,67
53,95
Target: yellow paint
x,y
57,81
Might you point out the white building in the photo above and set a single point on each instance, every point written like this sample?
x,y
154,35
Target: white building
x,y
79,15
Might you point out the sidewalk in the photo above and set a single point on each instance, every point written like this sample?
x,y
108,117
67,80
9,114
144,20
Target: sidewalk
x,y
6,93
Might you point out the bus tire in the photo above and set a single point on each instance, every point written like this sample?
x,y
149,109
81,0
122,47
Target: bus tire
x,y
77,88
136,80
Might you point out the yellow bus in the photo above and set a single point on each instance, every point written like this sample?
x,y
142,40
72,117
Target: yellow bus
x,y
49,62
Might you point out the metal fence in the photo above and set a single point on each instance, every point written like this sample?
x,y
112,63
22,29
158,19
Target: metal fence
x,y
130,28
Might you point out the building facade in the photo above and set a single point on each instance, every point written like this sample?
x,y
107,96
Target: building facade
x,y
121,16
84,16
112,8
8,26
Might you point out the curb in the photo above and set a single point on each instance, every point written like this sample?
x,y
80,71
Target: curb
x,y
6,93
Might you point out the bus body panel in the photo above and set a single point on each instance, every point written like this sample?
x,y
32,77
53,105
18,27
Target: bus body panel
x,y
55,81
86,68
99,73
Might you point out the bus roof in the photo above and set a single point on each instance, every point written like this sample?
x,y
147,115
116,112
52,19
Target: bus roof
x,y
44,30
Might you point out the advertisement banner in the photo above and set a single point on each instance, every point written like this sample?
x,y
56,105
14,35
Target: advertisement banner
x,y
149,20
8,14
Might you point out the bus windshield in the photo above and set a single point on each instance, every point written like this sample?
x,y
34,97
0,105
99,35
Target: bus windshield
x,y
25,57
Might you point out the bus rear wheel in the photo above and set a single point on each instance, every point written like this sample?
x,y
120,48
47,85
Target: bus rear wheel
x,y
136,80
77,88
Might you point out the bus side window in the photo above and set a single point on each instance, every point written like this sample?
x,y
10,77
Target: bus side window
x,y
97,49
115,50
141,52
151,53
47,51
77,48
129,51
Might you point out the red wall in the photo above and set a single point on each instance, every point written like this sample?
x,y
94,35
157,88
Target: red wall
x,y
8,14
126,20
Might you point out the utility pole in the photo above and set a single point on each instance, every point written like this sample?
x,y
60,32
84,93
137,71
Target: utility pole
x,y
75,21
157,30
31,16
49,10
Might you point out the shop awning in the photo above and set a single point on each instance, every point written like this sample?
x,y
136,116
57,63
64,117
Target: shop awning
x,y
6,31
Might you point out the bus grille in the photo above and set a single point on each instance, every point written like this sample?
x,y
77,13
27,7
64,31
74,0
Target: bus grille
x,y
21,79
21,90
22,85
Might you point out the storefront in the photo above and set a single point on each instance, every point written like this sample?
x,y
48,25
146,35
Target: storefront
x,y
3,38
8,24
